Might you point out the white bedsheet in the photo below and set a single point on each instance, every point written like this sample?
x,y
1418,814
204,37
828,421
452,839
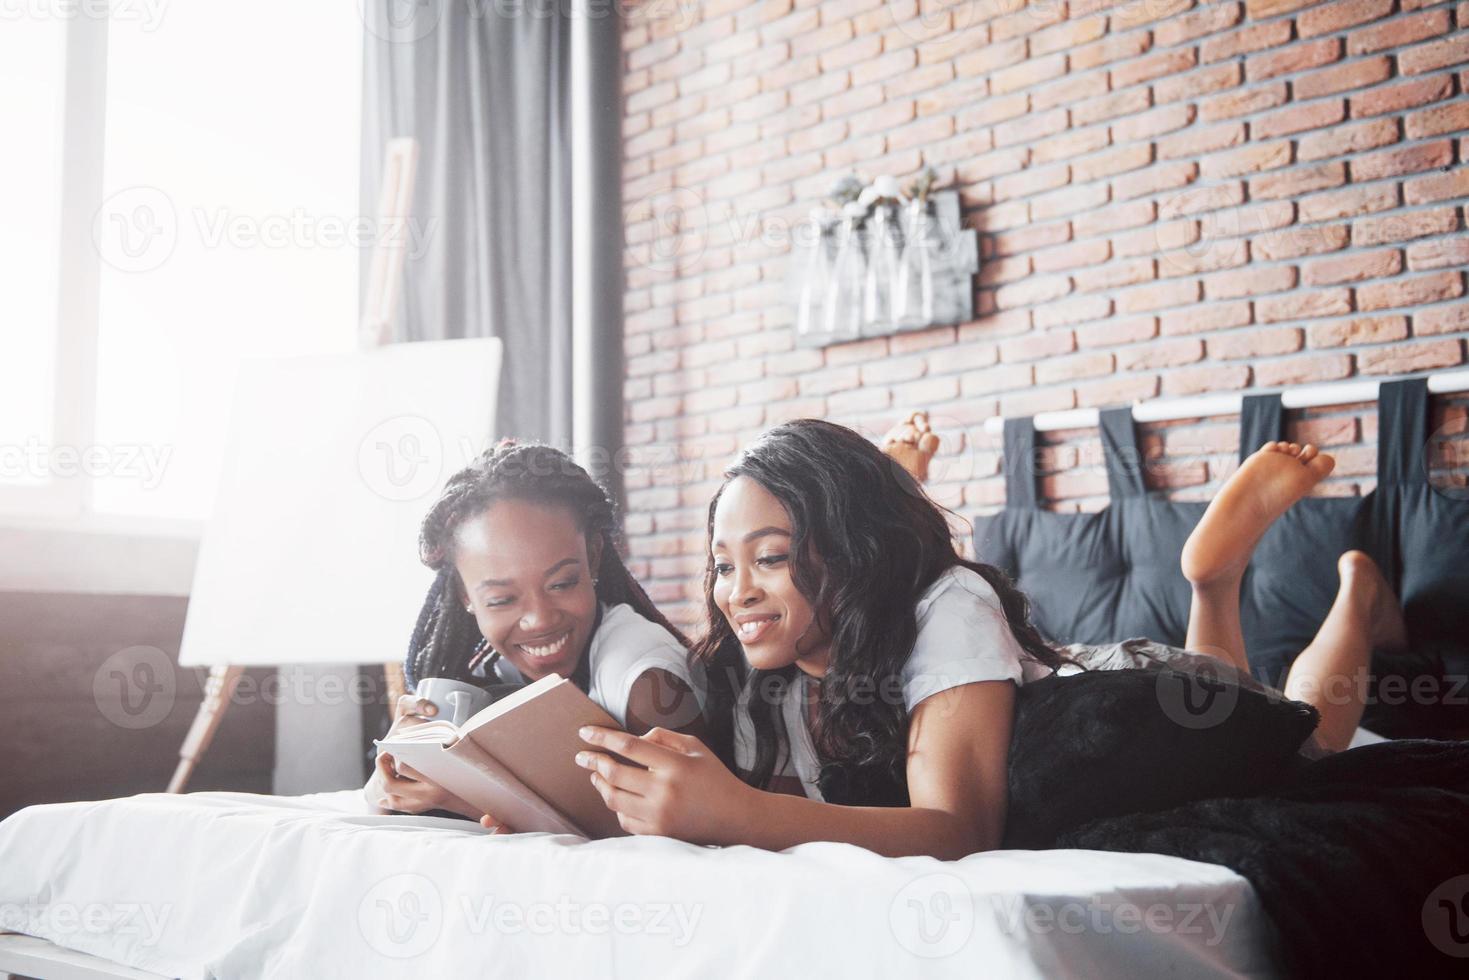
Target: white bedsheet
x,y
242,885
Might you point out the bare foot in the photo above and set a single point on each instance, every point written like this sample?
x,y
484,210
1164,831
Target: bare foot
x,y
1362,582
1263,488
912,443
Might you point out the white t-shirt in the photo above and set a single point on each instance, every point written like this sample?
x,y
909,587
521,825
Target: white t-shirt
x,y
963,638
625,646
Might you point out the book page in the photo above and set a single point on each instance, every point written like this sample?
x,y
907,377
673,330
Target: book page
x,y
466,771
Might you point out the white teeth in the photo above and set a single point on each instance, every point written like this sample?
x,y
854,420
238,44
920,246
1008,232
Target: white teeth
x,y
549,650
753,626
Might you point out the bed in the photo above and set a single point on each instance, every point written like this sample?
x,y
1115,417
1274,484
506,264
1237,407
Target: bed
x,y
244,885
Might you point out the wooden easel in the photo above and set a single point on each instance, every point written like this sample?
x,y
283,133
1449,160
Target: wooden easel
x,y
384,285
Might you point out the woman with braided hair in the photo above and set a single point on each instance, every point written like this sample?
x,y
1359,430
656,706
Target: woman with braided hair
x,y
530,583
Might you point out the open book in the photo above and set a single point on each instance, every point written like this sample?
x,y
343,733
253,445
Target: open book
x,y
516,759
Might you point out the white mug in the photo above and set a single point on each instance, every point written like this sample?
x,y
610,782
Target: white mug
x,y
456,701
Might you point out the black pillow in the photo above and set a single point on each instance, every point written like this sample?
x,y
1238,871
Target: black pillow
x,y
1111,742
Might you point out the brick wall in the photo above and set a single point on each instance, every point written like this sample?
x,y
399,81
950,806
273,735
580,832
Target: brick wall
x,y
1172,197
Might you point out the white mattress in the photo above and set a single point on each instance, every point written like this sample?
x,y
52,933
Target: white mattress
x,y
242,885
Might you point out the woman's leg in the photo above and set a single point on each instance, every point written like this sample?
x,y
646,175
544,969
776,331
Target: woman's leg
x,y
1331,673
1216,553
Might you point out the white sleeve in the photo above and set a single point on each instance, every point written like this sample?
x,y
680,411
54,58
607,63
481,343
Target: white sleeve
x,y
626,647
962,638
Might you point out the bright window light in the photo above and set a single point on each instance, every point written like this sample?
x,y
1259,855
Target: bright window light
x,y
226,231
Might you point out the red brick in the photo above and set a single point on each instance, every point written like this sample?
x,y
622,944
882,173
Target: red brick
x,y
1407,358
1110,333
1297,119
1110,49
1034,346
1067,35
1211,256
1332,17
1405,225
1429,288
1168,353
1116,391
1088,365
1303,306
1443,253
1089,252
1031,291
1351,76
1353,268
1115,216
1292,243
1164,119
1034,402
1202,199
1361,330
1250,159
1199,140
1030,237
1111,106
1194,381
989,57
1349,139
1449,118
1147,241
1237,344
1156,65
1242,103
1437,187
1303,370
997,379
1128,16
1289,184
1201,319
1115,274
1209,19
1250,282
1068,145
1154,179
1158,296
1115,161
1196,83
1256,37
1406,95
1435,54
1348,202
1072,311
1395,163
1441,319
1297,57
1068,201
1398,32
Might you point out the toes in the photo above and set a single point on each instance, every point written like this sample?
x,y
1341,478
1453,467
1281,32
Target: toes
x,y
1308,453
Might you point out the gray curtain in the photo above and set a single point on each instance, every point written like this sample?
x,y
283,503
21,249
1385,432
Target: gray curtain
x,y
491,90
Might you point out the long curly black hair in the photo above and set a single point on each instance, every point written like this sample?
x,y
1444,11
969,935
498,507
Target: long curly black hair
x,y
867,541
446,638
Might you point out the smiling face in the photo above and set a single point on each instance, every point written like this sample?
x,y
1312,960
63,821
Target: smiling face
x,y
527,574
753,587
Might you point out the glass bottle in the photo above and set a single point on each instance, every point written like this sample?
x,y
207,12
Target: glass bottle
x,y
842,311
882,267
814,283
913,295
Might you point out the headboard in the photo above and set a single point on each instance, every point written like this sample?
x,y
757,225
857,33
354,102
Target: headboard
x,y
1114,574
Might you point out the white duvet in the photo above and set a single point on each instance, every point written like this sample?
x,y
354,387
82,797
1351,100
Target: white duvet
x,y
241,885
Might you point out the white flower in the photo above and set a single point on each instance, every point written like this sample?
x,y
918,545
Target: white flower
x,y
854,209
886,188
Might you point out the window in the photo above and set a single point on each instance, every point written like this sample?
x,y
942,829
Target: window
x,y
220,214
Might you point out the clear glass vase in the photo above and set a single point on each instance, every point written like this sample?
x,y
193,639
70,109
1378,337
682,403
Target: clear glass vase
x,y
815,281
913,301
842,311
882,267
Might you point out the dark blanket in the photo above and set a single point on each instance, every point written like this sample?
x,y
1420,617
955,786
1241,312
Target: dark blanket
x,y
1356,862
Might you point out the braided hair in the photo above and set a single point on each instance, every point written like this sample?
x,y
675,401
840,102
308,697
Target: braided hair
x,y
446,640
